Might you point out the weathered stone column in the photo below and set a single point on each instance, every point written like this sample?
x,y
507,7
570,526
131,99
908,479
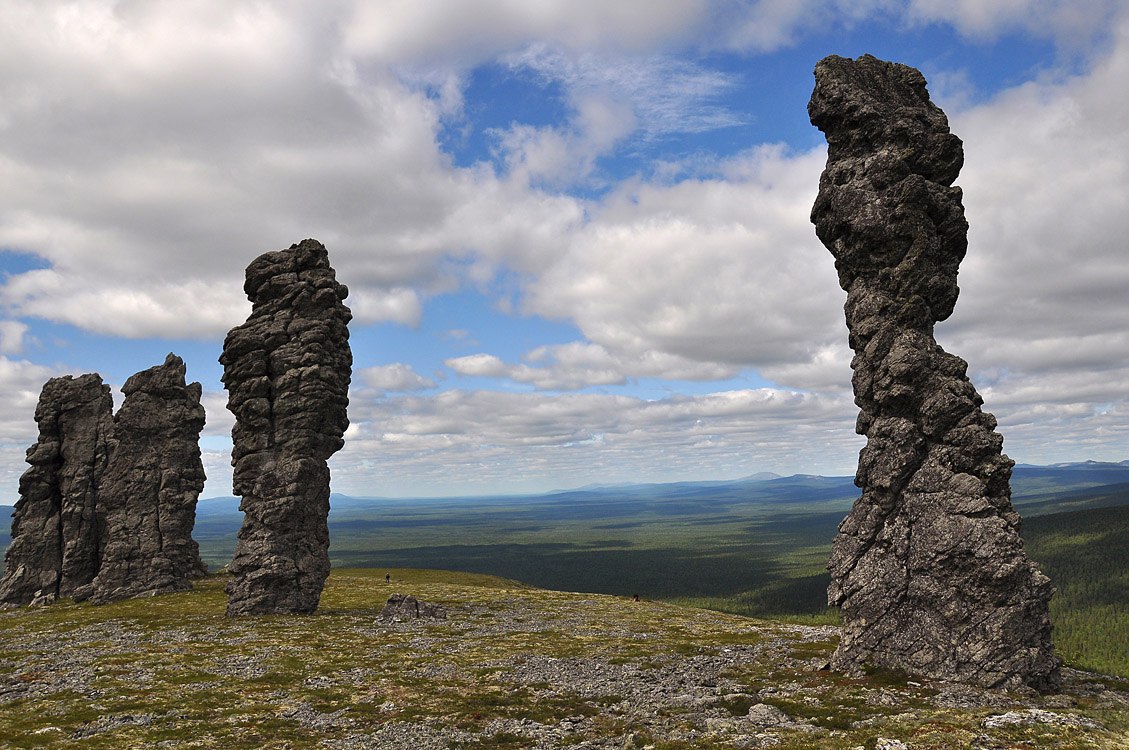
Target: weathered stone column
x,y
928,568
148,493
56,539
287,372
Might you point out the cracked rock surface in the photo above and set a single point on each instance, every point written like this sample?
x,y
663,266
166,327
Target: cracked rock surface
x,y
287,372
56,544
148,493
928,568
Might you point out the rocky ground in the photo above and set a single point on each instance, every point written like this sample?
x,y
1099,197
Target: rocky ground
x,y
509,667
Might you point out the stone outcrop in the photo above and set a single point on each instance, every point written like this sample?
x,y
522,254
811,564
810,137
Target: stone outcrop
x,y
287,372
404,608
928,568
147,498
56,539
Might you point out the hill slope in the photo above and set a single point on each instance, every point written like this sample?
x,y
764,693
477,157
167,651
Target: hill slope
x,y
511,667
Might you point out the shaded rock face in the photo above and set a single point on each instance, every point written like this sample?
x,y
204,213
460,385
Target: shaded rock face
x,y
148,493
56,537
928,568
287,372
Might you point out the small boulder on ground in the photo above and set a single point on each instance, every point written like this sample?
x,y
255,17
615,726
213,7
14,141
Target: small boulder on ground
x,y
401,607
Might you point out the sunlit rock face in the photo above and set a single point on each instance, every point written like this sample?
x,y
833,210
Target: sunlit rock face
x,y
147,499
56,538
287,372
928,568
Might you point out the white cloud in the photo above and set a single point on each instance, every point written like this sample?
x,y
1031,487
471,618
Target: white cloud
x,y
721,270
464,442
422,31
478,365
395,377
21,382
579,364
150,152
1069,22
12,336
1043,286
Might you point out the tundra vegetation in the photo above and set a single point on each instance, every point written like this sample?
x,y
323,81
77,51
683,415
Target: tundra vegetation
x,y
510,667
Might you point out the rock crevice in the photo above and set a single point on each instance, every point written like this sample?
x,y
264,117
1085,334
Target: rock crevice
x,y
928,568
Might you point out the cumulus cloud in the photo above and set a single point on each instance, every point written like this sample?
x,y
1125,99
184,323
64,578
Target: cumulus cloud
x,y
580,364
722,270
151,151
21,382
12,336
1042,308
395,377
468,441
420,32
1069,22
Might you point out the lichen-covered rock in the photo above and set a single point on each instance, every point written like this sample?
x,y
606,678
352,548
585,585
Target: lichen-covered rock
x,y
404,608
928,568
56,539
148,494
287,372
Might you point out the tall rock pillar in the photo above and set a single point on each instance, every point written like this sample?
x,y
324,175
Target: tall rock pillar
x,y
150,487
287,372
56,536
928,568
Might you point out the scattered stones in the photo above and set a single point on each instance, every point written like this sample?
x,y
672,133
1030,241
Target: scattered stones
x,y
401,607
56,540
148,493
928,568
287,372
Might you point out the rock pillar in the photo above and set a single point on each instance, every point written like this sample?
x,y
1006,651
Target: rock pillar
x,y
287,372
928,568
148,493
56,537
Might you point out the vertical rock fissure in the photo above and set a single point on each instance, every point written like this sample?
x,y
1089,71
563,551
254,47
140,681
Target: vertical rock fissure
x,y
928,568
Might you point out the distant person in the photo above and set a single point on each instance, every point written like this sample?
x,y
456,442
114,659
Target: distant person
x,y
388,578
634,597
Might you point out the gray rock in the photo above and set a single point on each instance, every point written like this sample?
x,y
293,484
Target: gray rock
x,y
287,372
765,715
55,546
1032,716
401,608
147,497
928,568
882,743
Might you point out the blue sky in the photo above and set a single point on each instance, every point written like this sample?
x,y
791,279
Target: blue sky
x,y
575,233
